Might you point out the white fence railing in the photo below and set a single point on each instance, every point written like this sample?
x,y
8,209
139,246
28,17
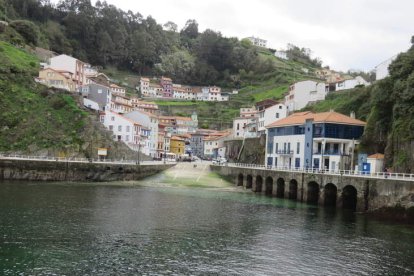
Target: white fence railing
x,y
377,175
81,160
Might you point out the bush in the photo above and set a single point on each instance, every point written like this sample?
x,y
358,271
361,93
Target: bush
x,y
28,30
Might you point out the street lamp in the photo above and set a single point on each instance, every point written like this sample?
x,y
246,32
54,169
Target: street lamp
x,y
322,153
165,150
139,149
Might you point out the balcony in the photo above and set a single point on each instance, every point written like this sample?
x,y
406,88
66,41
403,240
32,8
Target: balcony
x,y
330,152
284,152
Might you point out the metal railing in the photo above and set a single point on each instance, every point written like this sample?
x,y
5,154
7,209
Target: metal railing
x,y
80,160
377,175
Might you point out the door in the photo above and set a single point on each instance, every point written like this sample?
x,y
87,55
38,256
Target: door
x,y
269,161
326,164
316,163
297,162
333,165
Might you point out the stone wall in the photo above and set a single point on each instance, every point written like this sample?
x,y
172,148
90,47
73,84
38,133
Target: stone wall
x,y
74,171
371,194
253,151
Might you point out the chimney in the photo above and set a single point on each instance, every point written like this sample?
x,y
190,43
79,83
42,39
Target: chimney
x,y
352,115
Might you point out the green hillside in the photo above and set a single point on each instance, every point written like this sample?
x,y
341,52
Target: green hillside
x,y
37,120
33,116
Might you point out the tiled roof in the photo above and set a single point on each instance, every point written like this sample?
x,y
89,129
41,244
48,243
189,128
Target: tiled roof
x,y
113,85
145,79
177,138
155,85
376,156
60,72
325,117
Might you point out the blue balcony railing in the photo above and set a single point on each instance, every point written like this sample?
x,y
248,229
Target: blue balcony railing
x,y
284,152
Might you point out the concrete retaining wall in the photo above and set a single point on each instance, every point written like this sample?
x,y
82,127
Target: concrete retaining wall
x,y
74,171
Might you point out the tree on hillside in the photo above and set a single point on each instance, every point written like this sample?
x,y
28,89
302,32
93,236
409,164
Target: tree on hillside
x,y
170,26
190,29
179,65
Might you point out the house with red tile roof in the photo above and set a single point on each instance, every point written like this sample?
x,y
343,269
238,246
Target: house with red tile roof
x,y
313,140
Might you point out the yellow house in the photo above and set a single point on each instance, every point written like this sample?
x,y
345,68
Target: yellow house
x,y
177,145
57,78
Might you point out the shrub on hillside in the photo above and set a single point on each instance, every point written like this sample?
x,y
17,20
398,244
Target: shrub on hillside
x,y
27,29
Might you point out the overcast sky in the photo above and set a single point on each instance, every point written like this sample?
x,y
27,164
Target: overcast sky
x,y
345,34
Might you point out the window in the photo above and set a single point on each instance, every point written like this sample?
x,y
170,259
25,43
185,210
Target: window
x,y
127,138
119,128
127,129
277,147
297,148
280,107
99,91
277,115
112,118
111,127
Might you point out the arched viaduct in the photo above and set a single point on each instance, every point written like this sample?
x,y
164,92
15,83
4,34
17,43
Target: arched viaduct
x,y
341,191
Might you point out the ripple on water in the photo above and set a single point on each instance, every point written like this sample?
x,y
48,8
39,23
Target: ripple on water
x,y
103,230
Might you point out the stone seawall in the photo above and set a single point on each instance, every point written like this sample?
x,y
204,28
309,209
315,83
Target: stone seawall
x,y
358,193
75,171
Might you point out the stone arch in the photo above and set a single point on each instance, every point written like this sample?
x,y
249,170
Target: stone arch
x,y
249,182
240,179
349,197
268,185
293,189
330,192
259,184
313,193
280,188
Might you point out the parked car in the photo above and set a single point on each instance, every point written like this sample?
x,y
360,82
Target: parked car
x,y
220,161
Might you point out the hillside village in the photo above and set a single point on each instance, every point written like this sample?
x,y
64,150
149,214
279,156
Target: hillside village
x,y
139,123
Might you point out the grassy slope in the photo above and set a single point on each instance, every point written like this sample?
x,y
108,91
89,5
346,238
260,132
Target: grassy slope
x,y
33,116
357,100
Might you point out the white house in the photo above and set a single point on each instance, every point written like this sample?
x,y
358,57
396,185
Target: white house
x,y
240,126
155,91
304,92
204,94
256,41
117,89
214,144
70,64
308,140
376,162
121,103
381,70
351,83
144,87
271,114
281,55
129,131
150,121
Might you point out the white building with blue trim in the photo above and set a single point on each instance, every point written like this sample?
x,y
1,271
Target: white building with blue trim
x,y
308,140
